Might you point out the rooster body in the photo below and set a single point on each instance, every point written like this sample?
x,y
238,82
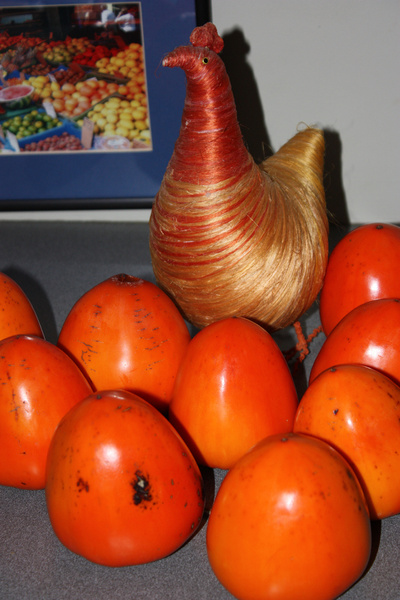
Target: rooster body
x,y
229,237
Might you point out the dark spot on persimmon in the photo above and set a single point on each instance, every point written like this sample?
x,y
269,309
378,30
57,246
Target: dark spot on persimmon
x,y
379,227
141,487
335,411
82,485
98,310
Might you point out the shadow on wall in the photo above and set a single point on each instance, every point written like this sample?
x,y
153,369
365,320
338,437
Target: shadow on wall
x,y
248,103
254,130
334,190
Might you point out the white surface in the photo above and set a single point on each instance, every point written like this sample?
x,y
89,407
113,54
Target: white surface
x,y
330,63
118,215
334,64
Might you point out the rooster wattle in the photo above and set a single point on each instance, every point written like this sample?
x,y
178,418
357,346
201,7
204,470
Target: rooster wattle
x,y
229,237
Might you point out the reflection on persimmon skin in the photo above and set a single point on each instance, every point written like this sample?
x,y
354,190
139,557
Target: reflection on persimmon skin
x,y
349,422
288,501
374,286
374,353
109,454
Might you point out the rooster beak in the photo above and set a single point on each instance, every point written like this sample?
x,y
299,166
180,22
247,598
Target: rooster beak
x,y
170,60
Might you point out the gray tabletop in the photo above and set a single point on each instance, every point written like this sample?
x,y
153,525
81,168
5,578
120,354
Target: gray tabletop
x,y
55,263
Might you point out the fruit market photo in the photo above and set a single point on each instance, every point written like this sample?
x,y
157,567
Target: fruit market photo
x,y
72,78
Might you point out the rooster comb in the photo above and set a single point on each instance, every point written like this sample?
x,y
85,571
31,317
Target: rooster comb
x,y
207,36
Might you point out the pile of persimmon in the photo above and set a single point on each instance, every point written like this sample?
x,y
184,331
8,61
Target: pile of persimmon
x,y
123,472
304,478
72,100
341,463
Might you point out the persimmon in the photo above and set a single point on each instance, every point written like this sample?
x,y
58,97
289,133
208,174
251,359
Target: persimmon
x,y
59,105
122,487
368,335
232,389
289,522
127,333
17,314
68,88
39,383
363,266
86,90
356,409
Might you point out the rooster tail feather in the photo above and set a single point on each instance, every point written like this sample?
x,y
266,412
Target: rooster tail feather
x,y
301,162
294,176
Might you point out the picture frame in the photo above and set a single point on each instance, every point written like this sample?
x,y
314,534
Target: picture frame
x,y
110,176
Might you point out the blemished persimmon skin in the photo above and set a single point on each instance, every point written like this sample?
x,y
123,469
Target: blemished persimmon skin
x,y
289,522
368,335
363,266
39,384
122,487
233,388
356,409
17,315
127,333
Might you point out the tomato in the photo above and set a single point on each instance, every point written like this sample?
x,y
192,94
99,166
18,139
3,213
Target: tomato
x,y
38,384
122,487
363,266
356,409
289,522
127,333
233,388
369,335
17,313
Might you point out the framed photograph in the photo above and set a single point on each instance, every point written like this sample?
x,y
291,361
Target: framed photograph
x,y
88,115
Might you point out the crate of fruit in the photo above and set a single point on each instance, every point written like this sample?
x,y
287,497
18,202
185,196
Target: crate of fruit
x,y
30,123
118,116
72,100
65,138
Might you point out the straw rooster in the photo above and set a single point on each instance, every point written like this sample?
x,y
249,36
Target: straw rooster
x,y
229,237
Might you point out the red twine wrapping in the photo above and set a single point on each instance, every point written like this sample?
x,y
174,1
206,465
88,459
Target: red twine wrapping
x,y
229,237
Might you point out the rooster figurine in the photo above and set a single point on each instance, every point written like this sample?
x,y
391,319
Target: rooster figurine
x,y
229,237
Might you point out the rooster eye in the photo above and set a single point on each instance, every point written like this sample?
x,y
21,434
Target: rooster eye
x,y
205,60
